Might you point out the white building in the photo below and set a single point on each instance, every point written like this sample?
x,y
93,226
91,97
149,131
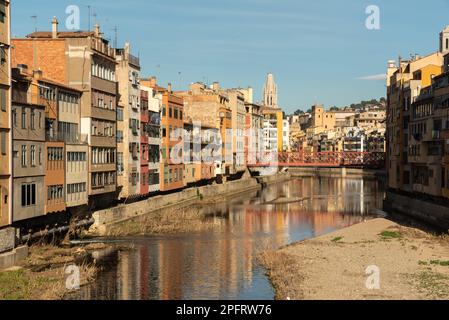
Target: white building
x,y
286,135
153,131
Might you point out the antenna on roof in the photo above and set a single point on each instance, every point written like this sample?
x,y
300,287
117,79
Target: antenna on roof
x,y
34,17
88,21
115,29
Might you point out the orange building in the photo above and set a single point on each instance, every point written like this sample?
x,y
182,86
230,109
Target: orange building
x,y
54,180
172,124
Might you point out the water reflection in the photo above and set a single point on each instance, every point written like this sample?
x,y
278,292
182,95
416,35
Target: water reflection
x,y
221,264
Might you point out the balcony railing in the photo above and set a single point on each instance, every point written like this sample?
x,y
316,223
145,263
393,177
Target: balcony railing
x,y
74,138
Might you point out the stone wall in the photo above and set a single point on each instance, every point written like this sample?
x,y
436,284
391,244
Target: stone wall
x,y
426,211
7,239
182,198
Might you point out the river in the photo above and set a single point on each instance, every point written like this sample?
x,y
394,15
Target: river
x,y
221,263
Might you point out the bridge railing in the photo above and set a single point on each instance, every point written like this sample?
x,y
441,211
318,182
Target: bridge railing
x,y
328,159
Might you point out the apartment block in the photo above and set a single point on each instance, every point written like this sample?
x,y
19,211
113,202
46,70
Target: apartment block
x,y
5,117
128,76
199,145
172,124
410,124
65,150
273,130
28,119
253,132
238,114
152,132
84,61
200,97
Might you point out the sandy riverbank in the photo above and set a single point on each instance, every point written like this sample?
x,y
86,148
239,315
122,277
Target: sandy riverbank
x,y
413,264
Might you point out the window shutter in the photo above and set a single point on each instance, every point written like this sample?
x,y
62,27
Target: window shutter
x,y
3,99
3,143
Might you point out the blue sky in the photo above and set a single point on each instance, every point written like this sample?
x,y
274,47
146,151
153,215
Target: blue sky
x,y
318,50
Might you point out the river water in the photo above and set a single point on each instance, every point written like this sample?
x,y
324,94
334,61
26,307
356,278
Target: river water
x,y
221,263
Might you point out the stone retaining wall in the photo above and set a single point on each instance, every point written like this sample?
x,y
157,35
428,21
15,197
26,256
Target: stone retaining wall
x,y
426,211
179,199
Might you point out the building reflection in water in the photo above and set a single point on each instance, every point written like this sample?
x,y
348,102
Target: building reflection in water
x,y
221,264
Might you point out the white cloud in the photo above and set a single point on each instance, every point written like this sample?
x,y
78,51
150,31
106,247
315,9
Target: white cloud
x,y
376,77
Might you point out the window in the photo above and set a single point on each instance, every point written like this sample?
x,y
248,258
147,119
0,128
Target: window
x,y
2,91
28,194
3,142
119,114
2,12
24,155
55,192
119,136
33,155
32,120
176,113
76,188
170,112
24,119
14,118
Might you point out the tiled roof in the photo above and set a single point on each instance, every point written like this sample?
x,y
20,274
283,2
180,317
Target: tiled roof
x,y
67,34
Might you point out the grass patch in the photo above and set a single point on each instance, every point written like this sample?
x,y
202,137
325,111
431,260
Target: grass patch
x,y
14,285
337,239
440,263
390,235
434,284
423,263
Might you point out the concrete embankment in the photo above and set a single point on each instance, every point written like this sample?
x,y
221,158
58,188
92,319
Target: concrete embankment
x,y
172,206
428,211
374,260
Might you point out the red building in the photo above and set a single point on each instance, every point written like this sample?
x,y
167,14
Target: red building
x,y
144,149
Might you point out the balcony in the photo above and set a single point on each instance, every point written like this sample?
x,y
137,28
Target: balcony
x,y
135,61
104,114
103,141
101,47
104,85
102,190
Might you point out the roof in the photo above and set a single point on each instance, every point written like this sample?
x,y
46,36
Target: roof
x,y
26,75
65,34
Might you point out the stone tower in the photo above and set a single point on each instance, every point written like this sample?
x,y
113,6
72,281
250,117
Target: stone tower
x,y
270,92
444,40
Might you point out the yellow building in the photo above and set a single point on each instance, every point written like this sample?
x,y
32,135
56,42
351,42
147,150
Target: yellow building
x,y
406,91
322,121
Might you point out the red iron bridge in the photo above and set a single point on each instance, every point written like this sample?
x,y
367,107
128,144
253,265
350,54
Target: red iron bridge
x,y
369,160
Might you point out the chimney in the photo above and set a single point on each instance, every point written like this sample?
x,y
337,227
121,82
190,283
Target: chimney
x,y
97,30
153,82
127,49
169,88
23,68
216,86
54,24
37,74
391,64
